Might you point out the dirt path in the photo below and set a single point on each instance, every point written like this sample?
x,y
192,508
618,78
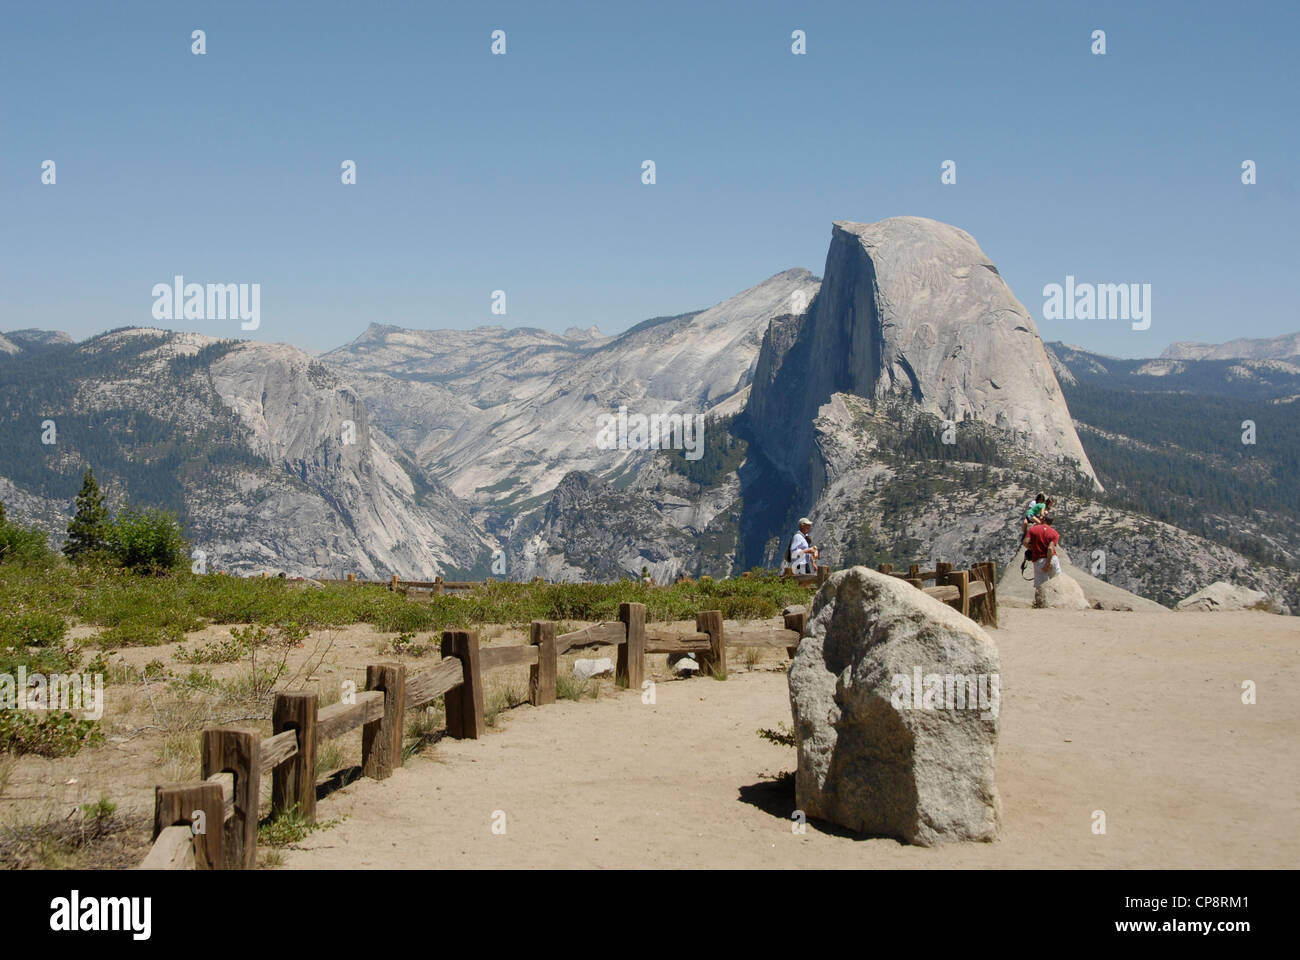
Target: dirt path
x,y
1136,714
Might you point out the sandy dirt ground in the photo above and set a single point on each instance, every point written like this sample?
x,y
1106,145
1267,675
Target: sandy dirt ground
x,y
1135,714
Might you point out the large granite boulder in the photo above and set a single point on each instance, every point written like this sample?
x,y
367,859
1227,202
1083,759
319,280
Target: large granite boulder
x,y
1062,592
1221,595
895,699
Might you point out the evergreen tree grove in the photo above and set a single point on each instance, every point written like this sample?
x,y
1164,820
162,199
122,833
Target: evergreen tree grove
x,y
88,531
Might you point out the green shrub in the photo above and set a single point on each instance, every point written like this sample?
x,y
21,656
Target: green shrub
x,y
145,610
197,679
405,644
783,736
33,628
221,651
26,545
289,827
148,541
47,734
39,660
100,811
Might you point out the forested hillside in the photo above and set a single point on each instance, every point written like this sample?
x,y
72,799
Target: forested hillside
x,y
1170,445
96,397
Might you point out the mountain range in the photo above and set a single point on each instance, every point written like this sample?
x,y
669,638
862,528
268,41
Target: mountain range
x,y
904,401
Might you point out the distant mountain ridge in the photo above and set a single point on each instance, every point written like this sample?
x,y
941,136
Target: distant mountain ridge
x,y
268,457
502,421
904,401
1243,348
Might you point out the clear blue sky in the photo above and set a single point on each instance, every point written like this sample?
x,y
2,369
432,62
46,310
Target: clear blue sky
x,y
522,172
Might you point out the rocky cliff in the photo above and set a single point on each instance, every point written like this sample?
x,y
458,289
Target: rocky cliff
x,y
908,308
268,456
508,424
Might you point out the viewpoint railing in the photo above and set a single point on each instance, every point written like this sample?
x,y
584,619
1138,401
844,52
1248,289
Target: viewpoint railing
x,y
973,592
211,824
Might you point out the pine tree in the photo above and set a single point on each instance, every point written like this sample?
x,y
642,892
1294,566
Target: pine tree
x,y
88,531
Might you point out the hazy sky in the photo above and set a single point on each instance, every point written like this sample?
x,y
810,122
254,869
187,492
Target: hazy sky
x,y
523,172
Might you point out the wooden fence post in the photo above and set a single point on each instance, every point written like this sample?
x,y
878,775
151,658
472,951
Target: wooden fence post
x,y
352,578
238,752
794,621
941,570
631,652
465,708
381,740
823,574
961,580
294,781
542,674
180,803
885,568
710,622
986,606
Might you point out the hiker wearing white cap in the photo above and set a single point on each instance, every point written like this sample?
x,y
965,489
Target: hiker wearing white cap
x,y
802,555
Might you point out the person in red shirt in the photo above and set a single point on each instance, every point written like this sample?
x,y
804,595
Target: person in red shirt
x,y
1040,543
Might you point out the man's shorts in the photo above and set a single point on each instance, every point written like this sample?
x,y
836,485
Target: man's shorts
x,y
1043,571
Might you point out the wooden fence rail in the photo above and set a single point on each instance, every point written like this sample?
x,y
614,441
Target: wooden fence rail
x,y
212,824
971,592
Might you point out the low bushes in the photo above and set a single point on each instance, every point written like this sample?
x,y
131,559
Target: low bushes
x,y
36,603
48,734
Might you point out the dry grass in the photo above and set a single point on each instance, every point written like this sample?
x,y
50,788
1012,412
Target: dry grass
x,y
178,756
94,836
501,697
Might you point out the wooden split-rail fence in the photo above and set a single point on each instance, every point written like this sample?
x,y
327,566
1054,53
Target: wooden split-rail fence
x,y
211,824
972,592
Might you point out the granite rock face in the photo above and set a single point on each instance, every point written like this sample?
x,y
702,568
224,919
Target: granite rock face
x,y
501,416
272,454
354,508
909,308
895,698
1221,596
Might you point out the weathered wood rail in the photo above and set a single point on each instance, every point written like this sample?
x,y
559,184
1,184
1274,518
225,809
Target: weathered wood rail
x,y
211,824
973,592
